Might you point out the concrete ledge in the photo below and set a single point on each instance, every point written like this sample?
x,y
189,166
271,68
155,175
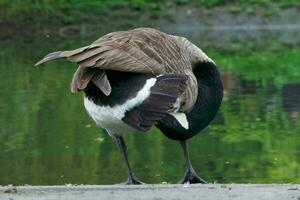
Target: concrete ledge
x,y
153,192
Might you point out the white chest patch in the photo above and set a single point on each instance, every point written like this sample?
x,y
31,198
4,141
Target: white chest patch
x,y
110,118
181,118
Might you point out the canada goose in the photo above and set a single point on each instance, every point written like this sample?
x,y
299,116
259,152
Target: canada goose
x,y
142,77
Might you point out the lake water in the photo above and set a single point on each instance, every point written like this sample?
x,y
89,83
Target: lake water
x,y
47,138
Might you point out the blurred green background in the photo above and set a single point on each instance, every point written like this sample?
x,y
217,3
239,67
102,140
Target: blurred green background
x,y
46,137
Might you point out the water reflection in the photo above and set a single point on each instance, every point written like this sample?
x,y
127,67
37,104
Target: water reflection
x,y
291,100
47,138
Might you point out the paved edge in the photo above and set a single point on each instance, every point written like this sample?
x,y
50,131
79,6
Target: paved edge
x,y
154,191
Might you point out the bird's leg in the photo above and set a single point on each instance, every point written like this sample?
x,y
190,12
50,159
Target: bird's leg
x,y
190,175
132,180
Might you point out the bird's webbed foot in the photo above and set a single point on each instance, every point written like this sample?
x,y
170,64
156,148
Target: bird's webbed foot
x,y
133,181
190,176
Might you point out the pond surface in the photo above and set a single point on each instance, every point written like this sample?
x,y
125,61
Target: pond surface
x,y
47,138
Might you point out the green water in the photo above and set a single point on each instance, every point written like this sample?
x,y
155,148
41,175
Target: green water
x,y
47,138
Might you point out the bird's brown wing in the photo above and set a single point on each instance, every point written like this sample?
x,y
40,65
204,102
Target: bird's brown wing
x,y
129,51
142,50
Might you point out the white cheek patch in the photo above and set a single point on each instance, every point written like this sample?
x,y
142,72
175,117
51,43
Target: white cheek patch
x,y
181,118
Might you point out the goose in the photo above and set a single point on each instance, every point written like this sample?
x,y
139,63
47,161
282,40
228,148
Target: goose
x,y
143,77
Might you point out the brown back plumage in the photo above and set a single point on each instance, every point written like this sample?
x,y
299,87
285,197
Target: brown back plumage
x,y
142,50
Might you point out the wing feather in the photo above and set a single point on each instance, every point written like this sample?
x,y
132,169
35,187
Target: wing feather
x,y
162,97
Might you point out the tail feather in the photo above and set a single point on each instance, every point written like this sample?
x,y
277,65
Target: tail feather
x,y
65,54
51,56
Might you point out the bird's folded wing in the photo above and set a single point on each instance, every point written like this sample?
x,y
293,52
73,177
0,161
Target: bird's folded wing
x,y
143,50
161,100
119,51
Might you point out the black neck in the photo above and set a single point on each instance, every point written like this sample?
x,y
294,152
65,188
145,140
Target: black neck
x,y
210,95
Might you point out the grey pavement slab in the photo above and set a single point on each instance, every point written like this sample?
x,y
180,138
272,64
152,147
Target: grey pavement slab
x,y
153,192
